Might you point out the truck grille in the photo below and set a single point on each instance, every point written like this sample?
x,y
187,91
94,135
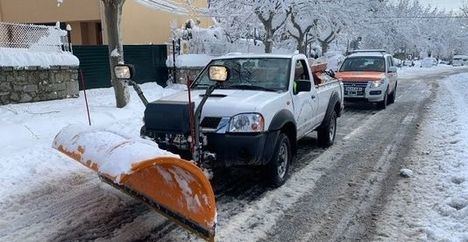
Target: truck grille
x,y
210,122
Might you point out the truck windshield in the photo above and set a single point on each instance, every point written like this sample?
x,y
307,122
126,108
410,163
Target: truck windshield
x,y
376,64
266,74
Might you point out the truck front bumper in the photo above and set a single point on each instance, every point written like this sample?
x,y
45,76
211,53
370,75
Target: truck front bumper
x,y
229,149
242,149
368,95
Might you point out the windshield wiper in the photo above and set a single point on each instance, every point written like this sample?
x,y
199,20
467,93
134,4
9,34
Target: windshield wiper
x,y
201,85
251,87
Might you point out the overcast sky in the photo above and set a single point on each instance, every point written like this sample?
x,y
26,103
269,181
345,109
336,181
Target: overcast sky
x,y
447,4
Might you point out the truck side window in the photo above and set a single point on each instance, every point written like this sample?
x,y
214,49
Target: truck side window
x,y
301,72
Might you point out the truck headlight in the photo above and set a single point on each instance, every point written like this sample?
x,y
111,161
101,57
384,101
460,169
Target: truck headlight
x,y
378,83
246,123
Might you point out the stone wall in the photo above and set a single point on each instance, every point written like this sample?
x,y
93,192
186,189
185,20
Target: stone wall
x,y
34,84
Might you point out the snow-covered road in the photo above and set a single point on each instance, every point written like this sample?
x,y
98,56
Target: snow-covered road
x,y
432,205
46,196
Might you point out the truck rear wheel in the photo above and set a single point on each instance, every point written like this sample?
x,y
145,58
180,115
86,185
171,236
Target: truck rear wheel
x,y
278,167
327,132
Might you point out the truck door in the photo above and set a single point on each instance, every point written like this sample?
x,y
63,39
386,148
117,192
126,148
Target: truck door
x,y
304,103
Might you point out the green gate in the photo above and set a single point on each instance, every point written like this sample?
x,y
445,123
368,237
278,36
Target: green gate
x,y
149,62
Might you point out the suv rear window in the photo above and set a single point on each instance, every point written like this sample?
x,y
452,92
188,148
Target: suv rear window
x,y
363,63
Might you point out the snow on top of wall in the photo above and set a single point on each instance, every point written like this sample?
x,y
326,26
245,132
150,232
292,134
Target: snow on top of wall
x,y
21,57
189,60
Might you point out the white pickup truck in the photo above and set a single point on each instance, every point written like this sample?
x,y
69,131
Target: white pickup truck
x,y
256,116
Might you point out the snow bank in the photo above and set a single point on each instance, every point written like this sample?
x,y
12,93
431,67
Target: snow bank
x,y
433,204
411,72
189,60
43,193
22,57
28,129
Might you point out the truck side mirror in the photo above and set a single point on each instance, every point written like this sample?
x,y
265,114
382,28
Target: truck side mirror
x,y
124,72
303,86
218,73
392,69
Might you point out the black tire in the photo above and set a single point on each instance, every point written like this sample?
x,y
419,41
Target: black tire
x,y
392,98
143,132
327,132
278,167
383,104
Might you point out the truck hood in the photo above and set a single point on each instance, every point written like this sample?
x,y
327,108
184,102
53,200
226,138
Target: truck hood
x,y
227,102
357,76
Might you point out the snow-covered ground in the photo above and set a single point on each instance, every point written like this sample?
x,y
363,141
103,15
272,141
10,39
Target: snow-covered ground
x,y
432,205
28,130
416,71
31,171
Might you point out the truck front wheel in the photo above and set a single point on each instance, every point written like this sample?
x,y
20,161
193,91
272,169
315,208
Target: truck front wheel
x,y
327,132
383,104
279,164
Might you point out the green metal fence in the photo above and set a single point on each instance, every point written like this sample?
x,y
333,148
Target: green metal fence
x,y
149,62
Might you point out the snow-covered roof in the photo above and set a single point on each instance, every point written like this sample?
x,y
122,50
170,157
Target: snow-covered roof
x,y
250,55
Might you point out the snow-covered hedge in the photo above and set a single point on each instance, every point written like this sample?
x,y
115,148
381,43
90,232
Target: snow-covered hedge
x,y
189,60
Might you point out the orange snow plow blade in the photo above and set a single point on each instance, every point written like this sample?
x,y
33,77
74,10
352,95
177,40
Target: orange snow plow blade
x,y
174,187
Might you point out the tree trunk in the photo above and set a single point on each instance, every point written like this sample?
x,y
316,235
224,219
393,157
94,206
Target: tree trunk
x,y
268,41
113,14
325,45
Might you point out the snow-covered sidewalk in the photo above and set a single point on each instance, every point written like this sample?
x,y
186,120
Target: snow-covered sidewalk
x,y
28,130
31,169
432,205
413,72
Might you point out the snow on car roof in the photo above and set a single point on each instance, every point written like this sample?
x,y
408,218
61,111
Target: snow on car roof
x,y
367,54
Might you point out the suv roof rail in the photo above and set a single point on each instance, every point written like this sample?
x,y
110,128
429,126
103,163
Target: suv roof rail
x,y
233,53
370,50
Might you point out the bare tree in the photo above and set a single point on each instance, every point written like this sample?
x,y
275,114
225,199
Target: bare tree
x,y
113,15
266,14
328,39
301,30
464,10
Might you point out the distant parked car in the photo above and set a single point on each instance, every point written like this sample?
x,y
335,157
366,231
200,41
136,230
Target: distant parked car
x,y
369,76
428,62
460,60
397,62
408,63
444,62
